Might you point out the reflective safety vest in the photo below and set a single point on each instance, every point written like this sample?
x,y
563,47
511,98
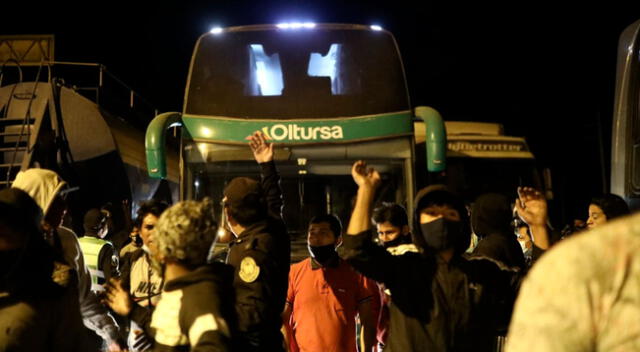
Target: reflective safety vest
x,y
91,248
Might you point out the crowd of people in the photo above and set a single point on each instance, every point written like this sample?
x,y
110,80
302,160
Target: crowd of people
x,y
389,281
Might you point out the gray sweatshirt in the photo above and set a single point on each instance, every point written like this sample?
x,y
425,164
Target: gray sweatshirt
x,y
43,186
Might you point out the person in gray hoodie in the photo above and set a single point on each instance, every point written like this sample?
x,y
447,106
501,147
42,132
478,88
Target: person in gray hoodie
x,y
46,188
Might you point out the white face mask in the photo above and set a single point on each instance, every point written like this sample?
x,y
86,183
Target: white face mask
x,y
103,232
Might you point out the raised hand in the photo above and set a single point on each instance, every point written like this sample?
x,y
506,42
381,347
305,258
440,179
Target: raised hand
x,y
262,150
365,176
531,206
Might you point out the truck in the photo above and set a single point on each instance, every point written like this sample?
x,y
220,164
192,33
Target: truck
x,y
70,117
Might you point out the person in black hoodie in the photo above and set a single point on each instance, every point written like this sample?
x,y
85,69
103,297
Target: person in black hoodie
x,y
491,217
441,299
36,313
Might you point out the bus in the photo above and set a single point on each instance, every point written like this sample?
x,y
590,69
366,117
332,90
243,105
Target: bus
x,y
327,95
625,142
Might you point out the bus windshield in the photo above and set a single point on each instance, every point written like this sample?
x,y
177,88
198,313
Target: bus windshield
x,y
321,73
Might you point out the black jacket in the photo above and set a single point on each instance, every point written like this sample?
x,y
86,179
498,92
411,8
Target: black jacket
x,y
37,313
491,221
461,305
436,306
195,312
261,258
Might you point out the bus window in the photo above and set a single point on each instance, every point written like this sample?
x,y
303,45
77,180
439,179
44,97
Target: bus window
x,y
322,73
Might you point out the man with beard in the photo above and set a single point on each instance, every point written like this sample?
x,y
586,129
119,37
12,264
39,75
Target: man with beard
x,y
325,295
442,300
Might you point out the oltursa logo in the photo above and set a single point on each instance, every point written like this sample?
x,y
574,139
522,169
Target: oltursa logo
x,y
281,132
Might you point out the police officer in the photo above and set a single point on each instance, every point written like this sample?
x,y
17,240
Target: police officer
x,y
260,253
100,255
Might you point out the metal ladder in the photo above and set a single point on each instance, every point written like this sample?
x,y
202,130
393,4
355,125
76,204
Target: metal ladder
x,y
16,131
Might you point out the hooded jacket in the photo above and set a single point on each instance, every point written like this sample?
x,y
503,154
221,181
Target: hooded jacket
x,y
491,221
43,186
460,305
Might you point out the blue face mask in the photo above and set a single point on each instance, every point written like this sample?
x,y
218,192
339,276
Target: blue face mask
x,y
442,234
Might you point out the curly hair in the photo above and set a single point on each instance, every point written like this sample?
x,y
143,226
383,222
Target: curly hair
x,y
185,232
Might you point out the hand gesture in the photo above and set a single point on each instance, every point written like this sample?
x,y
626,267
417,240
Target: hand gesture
x,y
365,176
531,206
262,151
117,298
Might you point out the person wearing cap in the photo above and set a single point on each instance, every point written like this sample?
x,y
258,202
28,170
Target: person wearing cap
x,y
195,311
260,252
441,299
48,190
99,254
36,313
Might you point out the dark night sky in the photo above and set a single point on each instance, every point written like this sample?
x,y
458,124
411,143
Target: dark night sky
x,y
546,72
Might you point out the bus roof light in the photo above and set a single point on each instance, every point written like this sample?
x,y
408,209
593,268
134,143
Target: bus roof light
x,y
296,25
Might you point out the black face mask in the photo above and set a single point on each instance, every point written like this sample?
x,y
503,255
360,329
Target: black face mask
x,y
137,241
401,239
10,261
323,254
442,234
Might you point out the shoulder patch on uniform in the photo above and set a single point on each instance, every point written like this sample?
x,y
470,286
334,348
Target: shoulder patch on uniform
x,y
61,274
249,270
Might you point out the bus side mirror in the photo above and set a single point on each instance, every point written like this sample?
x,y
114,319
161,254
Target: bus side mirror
x,y
435,138
154,144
